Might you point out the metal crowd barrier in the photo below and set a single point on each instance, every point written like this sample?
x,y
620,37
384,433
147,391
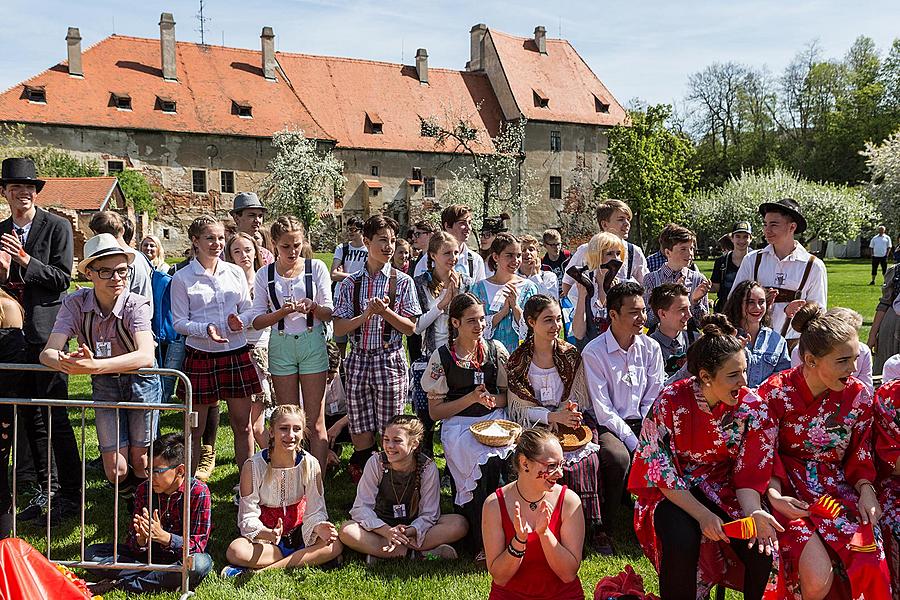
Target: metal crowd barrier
x,y
189,421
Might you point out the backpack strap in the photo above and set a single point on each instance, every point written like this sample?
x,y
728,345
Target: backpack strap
x,y
308,283
273,297
725,264
345,252
756,266
471,262
357,306
806,272
386,329
630,264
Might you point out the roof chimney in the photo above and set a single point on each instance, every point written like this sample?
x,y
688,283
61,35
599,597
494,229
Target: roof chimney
x,y
73,41
422,65
167,46
268,53
540,39
476,53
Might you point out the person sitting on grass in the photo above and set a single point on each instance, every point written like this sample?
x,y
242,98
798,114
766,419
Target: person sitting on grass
x,y
162,529
397,511
282,516
767,353
536,552
671,304
335,401
112,328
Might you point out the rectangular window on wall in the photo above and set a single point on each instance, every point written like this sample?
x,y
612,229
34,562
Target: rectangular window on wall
x,y
555,142
198,181
226,179
556,188
429,187
115,166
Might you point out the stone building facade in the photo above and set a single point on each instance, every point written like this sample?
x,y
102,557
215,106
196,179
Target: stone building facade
x,y
198,120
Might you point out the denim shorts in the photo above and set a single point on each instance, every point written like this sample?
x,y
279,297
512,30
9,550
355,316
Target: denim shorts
x,y
134,425
302,353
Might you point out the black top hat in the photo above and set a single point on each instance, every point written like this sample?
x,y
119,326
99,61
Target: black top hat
x,y
20,170
785,206
496,224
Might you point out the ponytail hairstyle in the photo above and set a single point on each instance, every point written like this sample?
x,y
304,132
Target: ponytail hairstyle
x,y
198,226
531,443
257,259
438,240
533,309
819,331
281,411
501,242
458,306
285,224
714,346
416,432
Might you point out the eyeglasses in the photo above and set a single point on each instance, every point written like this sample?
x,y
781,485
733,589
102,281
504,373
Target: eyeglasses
x,y
552,467
163,470
554,245
105,273
487,234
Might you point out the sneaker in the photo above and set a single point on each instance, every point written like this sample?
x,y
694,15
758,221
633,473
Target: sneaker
x,y
444,551
601,543
372,560
232,571
206,463
481,558
35,507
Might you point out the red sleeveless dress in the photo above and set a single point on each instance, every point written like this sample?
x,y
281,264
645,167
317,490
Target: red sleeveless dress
x,y
535,580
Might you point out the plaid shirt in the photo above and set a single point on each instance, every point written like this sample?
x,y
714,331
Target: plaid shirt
x,y
655,261
368,336
690,279
170,510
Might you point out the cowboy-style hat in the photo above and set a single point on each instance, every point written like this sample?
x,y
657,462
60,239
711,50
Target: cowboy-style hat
x,y
244,200
20,170
101,246
785,206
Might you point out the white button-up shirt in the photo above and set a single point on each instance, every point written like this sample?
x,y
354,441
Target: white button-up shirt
x,y
786,274
199,299
622,384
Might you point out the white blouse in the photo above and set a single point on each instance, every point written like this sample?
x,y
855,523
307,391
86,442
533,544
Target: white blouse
x,y
294,287
544,379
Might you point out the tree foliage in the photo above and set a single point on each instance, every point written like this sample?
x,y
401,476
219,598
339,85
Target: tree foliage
x,y
577,217
883,162
650,169
834,213
48,162
303,180
138,191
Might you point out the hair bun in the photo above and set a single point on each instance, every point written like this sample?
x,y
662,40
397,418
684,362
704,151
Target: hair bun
x,y
807,313
716,324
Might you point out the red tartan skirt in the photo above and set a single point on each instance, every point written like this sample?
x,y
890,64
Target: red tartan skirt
x,y
216,375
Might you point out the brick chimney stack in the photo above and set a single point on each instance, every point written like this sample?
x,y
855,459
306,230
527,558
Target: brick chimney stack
x,y
540,39
73,41
476,52
167,46
268,53
422,65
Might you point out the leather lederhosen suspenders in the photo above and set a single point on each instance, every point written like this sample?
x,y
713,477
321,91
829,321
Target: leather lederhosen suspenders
x,y
783,294
392,297
308,283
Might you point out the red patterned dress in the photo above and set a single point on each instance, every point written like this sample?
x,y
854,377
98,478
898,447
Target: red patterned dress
x,y
817,446
887,452
686,445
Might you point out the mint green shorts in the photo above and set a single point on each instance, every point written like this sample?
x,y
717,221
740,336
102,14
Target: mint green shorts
x,y
302,353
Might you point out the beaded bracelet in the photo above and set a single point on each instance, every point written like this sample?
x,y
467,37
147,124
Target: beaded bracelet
x,y
515,553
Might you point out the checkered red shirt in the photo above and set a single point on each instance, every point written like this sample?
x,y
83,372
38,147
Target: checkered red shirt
x,y
171,508
369,333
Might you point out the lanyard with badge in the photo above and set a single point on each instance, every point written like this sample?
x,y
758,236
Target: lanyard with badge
x,y
102,348
547,398
475,365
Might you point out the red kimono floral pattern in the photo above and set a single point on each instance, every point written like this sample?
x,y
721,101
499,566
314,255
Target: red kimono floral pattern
x,y
817,446
685,445
887,452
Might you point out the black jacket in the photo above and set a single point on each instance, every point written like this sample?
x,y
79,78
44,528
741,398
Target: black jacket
x,y
48,274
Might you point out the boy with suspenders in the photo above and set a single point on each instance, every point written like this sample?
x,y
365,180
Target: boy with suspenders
x,y
376,307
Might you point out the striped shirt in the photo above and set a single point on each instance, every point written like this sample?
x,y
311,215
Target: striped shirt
x,y
368,336
690,279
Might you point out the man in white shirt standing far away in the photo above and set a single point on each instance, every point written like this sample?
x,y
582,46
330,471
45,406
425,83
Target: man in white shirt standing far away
x,y
625,372
881,247
790,274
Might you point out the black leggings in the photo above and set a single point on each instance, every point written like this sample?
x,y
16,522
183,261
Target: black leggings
x,y
492,475
679,537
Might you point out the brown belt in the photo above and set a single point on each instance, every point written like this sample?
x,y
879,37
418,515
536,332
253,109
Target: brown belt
x,y
785,295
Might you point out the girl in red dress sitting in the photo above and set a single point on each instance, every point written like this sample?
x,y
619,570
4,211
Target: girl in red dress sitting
x,y
536,553
887,455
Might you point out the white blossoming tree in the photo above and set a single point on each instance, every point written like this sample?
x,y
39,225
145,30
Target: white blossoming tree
x,y
883,162
303,180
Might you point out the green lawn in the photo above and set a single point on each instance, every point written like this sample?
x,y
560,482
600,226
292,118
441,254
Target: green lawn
x,y
388,581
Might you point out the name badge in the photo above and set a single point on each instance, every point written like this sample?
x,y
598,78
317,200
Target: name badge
x,y
399,511
103,349
498,301
333,407
547,395
479,377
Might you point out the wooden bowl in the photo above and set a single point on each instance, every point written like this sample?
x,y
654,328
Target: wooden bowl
x,y
573,438
513,431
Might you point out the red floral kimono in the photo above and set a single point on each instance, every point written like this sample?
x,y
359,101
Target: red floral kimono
x,y
887,451
817,447
684,445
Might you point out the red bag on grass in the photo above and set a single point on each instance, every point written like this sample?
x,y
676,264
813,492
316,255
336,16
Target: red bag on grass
x,y
26,573
627,584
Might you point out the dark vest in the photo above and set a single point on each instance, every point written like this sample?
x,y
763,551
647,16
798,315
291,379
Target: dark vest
x,y
399,488
461,381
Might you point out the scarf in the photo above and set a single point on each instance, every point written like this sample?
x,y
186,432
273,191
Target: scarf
x,y
566,359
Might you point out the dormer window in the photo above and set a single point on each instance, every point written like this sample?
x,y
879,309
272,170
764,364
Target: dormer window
x,y
541,100
242,109
166,105
600,106
374,124
36,94
121,100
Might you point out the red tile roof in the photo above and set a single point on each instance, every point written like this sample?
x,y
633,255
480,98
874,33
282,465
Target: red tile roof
x,y
77,193
561,76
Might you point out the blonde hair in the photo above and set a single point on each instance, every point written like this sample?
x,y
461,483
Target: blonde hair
x,y
400,243
599,245
438,240
257,260
411,425
160,251
286,224
282,411
528,240
199,224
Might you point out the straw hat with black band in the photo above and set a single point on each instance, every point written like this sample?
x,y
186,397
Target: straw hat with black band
x,y
101,246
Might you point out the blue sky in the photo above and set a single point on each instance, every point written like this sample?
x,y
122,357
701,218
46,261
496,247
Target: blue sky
x,y
640,49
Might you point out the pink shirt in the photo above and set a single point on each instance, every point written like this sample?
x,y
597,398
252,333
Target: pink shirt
x,y
132,309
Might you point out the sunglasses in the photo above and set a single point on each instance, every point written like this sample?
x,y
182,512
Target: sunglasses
x,y
160,471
